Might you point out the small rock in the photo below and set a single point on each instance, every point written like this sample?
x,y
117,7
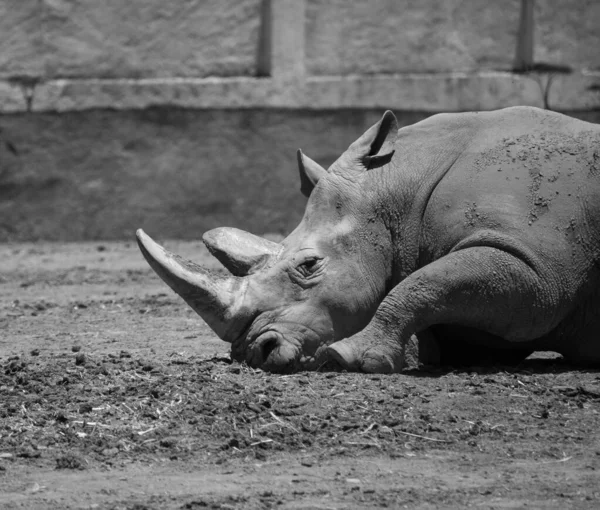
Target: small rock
x,y
76,348
110,452
29,453
253,407
70,461
80,359
35,352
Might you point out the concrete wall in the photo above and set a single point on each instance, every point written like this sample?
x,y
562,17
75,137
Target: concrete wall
x,y
181,116
388,36
391,36
568,32
128,38
101,174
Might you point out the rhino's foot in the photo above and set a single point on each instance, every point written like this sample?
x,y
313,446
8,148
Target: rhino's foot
x,y
343,355
358,355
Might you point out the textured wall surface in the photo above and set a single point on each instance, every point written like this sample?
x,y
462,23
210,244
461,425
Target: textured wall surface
x,y
122,154
176,173
568,33
410,35
128,38
385,36
197,38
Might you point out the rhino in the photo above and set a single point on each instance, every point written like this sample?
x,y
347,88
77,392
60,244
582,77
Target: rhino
x,y
464,237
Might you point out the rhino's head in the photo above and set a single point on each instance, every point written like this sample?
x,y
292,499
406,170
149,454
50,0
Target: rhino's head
x,y
284,303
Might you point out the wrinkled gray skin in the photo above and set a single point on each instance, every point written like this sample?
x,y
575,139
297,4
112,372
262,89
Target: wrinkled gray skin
x,y
463,237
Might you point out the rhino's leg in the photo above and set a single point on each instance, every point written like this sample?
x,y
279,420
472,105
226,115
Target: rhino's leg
x,y
478,287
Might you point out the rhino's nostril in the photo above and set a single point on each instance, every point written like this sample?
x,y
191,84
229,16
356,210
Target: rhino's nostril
x,y
267,347
273,353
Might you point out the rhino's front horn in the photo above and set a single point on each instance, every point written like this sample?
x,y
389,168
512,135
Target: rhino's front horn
x,y
237,250
215,298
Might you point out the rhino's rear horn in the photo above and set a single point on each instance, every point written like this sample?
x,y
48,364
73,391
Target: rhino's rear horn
x,y
310,173
239,251
215,298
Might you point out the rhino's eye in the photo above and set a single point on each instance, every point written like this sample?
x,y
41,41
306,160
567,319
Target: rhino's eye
x,y
309,266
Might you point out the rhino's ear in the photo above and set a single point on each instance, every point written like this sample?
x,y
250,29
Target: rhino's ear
x,y
237,250
310,173
368,145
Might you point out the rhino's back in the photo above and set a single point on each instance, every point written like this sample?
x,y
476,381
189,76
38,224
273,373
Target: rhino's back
x,y
522,172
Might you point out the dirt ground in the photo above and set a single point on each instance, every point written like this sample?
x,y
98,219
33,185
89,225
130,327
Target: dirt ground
x,y
115,395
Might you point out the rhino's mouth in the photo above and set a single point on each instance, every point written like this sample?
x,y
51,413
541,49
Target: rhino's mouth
x,y
283,349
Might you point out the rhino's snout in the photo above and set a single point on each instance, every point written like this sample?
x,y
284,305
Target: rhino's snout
x,y
272,352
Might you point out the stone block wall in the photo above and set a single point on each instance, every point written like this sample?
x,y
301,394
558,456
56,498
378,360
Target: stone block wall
x,y
432,36
185,115
52,39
